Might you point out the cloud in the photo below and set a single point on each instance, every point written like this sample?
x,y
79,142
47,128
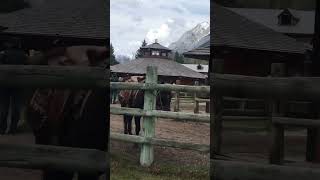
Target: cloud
x,y
132,21
161,33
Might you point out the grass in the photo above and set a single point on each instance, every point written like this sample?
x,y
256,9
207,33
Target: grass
x,y
125,169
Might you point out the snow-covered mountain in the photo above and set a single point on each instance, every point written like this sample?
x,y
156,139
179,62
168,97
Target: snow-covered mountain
x,y
191,38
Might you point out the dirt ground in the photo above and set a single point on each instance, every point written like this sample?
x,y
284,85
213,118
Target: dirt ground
x,y
241,145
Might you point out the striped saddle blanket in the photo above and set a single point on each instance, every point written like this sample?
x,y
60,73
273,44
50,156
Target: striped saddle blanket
x,y
51,106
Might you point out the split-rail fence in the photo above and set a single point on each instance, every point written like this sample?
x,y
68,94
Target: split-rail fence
x,y
277,92
148,139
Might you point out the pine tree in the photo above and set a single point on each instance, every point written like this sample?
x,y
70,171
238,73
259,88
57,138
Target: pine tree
x,y
139,52
113,60
178,58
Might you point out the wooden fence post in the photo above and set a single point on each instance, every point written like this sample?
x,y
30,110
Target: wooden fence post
x,y
177,99
207,107
147,152
277,108
313,134
216,113
196,103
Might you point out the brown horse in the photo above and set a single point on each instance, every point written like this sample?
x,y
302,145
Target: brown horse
x,y
74,118
135,99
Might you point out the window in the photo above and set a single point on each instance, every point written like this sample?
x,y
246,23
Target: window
x,y
155,53
286,19
164,54
199,67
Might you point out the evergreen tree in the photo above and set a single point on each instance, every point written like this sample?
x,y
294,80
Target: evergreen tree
x,y
113,60
139,52
178,58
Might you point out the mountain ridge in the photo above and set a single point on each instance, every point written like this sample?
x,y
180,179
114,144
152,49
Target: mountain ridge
x,y
190,39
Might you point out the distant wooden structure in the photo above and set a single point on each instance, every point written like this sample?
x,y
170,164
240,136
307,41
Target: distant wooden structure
x,y
155,50
202,52
169,71
157,55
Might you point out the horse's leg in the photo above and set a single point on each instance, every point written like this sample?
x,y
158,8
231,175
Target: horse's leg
x,y
125,123
15,113
54,175
88,176
4,110
137,123
129,124
43,137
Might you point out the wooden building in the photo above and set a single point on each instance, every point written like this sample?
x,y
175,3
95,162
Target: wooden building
x,y
298,24
157,55
156,50
249,48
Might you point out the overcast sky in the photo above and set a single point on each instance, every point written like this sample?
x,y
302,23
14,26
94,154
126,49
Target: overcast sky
x,y
165,20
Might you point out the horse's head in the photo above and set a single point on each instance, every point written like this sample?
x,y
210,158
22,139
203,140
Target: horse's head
x,y
78,56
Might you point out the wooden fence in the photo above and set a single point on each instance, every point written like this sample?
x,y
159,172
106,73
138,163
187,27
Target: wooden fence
x,y
148,140
277,91
53,157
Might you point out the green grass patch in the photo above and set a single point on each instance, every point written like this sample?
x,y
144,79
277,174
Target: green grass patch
x,y
123,168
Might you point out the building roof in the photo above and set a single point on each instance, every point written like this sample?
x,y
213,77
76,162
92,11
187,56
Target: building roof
x,y
194,67
63,18
204,42
198,53
233,30
269,18
165,68
156,45
202,51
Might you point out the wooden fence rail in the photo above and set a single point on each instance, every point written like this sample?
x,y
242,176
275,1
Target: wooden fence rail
x,y
160,142
20,76
293,88
160,87
53,157
161,114
231,170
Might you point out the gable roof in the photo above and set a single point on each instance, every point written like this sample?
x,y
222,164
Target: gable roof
x,y
202,50
198,53
61,18
155,46
269,18
205,68
233,30
165,68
